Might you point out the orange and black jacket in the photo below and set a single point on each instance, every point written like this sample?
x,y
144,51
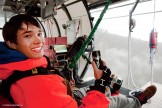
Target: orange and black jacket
x,y
42,90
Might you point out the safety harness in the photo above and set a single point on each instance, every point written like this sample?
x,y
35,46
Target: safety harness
x,y
17,75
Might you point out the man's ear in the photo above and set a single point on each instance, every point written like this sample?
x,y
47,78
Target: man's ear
x,y
11,44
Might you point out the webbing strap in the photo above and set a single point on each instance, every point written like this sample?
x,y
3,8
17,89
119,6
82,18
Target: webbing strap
x,y
17,75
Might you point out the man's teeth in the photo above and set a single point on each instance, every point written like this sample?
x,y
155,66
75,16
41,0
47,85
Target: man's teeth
x,y
37,49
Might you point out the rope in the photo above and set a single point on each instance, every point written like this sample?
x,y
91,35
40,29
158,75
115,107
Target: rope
x,y
152,50
154,14
129,46
81,51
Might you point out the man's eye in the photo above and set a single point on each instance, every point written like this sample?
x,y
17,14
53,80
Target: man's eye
x,y
40,34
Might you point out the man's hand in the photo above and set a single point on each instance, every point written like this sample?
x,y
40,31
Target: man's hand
x,y
102,77
97,72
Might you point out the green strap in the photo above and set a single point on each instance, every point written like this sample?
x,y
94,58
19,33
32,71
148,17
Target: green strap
x,y
81,51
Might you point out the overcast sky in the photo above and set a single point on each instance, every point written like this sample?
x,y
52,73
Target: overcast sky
x,y
116,22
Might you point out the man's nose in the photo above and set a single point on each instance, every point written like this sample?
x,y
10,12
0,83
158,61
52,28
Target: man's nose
x,y
37,39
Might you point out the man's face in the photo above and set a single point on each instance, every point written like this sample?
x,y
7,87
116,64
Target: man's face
x,y
30,41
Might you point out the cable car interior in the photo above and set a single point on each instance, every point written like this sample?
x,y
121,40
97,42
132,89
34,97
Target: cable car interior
x,y
73,30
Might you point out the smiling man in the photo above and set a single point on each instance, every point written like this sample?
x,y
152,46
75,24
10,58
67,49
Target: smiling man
x,y
26,79
29,40
28,82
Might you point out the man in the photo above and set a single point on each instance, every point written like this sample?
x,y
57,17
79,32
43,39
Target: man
x,y
27,81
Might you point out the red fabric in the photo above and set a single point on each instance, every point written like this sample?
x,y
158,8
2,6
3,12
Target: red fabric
x,y
42,91
95,99
7,69
48,91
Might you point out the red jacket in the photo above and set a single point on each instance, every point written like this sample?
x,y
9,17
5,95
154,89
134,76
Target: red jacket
x,y
46,91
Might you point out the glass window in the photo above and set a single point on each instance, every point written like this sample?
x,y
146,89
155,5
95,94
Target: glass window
x,y
111,38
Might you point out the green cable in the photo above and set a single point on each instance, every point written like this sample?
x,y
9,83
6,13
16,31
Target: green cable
x,y
81,51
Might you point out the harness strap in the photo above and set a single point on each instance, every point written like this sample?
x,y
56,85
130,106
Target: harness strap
x,y
17,75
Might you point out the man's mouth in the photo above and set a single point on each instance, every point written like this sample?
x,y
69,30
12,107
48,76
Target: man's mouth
x,y
37,49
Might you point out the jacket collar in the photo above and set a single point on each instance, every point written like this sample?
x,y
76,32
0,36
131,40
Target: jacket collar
x,y
8,55
25,65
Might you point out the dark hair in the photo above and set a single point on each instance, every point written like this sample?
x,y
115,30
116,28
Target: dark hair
x,y
11,27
